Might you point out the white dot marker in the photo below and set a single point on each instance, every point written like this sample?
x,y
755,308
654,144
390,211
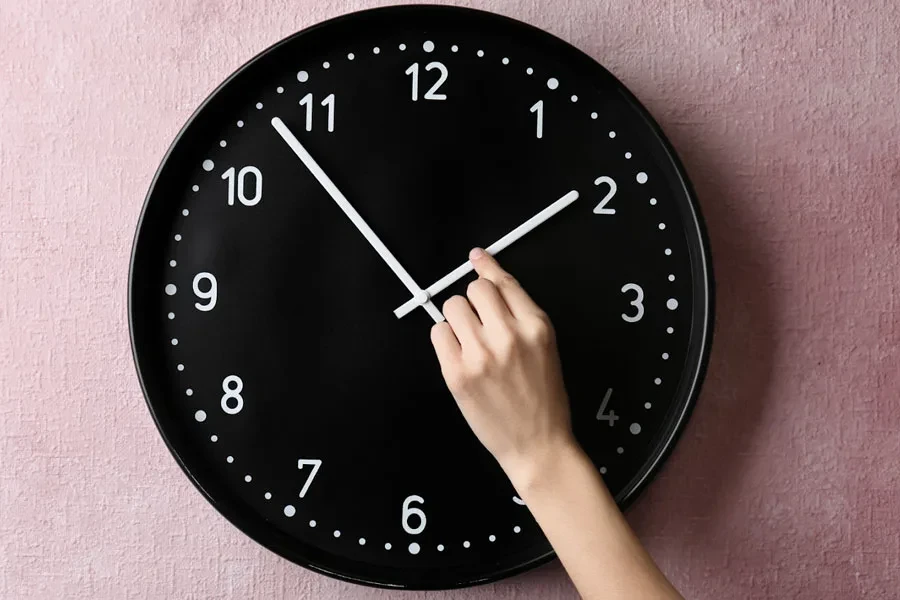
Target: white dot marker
x,y
387,546
671,278
466,544
229,460
362,541
267,495
641,177
603,470
480,53
185,212
180,367
223,143
628,155
612,134
337,533
529,71
240,123
414,548
574,98
428,46
200,416
454,48
594,115
553,83
289,510
302,77
440,547
189,392
668,252
174,341
326,65
171,316
670,330
492,538
259,105
376,50
279,89
177,237
647,405
195,188
652,201
312,523
665,356
620,450
402,48
662,226
517,529
208,165
671,303
172,263
214,438
171,289
505,61
248,478
634,428
351,56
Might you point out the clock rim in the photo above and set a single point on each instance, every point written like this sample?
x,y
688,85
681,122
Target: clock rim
x,y
699,247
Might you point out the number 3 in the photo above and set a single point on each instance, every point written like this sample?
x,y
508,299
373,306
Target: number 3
x,y
637,302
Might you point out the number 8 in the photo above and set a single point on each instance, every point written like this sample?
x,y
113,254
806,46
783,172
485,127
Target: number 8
x,y
232,386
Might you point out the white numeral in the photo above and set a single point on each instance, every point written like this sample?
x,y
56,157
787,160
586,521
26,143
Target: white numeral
x,y
602,415
210,295
539,109
232,386
601,209
518,501
408,512
242,185
431,94
328,102
315,463
637,302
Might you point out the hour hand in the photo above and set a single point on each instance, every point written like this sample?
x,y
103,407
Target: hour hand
x,y
422,298
461,271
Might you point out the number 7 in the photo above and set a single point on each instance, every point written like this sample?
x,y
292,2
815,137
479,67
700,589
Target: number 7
x,y
316,463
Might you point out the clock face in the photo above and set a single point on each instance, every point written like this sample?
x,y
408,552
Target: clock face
x,y
265,321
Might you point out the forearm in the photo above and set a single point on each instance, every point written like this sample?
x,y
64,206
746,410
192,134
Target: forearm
x,y
570,502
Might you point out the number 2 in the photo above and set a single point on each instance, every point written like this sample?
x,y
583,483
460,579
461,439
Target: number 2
x,y
431,94
601,209
637,302
316,463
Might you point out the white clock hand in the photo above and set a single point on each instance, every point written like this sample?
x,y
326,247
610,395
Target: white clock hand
x,y
421,297
460,271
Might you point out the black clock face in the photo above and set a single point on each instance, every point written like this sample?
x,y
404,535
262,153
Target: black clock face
x,y
265,322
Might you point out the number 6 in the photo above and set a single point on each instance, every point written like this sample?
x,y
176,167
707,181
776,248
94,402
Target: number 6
x,y
408,512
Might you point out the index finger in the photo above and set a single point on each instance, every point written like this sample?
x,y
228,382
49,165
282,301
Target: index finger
x,y
517,299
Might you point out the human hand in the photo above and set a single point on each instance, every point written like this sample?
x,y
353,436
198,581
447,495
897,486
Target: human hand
x,y
498,355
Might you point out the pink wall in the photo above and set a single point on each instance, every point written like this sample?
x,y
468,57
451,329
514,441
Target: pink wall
x,y
787,482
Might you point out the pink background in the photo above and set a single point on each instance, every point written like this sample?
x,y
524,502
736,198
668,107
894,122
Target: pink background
x,y
787,482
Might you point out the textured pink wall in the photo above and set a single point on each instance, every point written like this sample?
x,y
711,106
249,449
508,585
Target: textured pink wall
x,y
787,482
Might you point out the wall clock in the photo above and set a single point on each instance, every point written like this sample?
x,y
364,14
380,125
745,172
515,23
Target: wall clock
x,y
302,233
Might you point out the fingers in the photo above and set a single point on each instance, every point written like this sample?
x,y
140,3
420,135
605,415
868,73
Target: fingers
x,y
446,346
463,321
487,302
519,302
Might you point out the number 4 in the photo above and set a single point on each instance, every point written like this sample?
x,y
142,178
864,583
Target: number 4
x,y
609,417
316,463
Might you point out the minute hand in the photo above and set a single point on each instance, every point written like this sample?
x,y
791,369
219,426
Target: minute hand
x,y
356,219
461,271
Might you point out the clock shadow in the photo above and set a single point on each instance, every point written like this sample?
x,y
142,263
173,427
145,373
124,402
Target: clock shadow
x,y
694,495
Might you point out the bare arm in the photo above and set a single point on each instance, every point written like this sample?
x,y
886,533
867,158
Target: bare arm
x,y
498,354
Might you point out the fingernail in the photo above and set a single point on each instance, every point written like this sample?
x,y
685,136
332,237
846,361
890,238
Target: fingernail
x,y
476,253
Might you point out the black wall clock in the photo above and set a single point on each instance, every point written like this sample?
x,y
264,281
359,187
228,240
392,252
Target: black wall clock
x,y
306,226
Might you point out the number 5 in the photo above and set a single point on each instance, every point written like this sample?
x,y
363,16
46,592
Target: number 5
x,y
637,302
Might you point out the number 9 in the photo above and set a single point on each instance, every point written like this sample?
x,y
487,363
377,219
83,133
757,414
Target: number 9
x,y
211,295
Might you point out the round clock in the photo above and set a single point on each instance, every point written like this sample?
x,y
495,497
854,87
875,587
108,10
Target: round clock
x,y
305,228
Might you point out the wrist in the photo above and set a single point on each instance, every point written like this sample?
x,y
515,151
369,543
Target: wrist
x,y
539,469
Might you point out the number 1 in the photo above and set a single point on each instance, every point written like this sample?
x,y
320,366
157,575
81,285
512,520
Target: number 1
x,y
539,109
